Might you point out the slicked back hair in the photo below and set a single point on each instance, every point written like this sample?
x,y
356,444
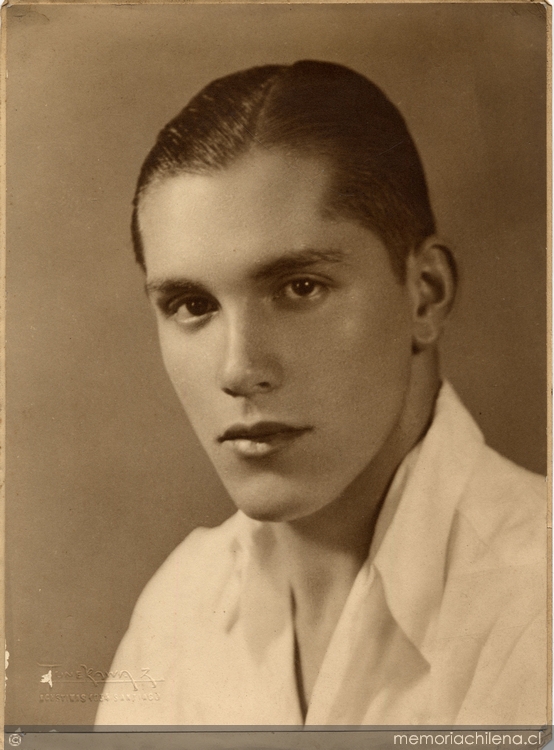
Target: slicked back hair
x,y
309,108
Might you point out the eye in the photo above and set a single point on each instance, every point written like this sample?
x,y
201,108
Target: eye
x,y
193,308
303,288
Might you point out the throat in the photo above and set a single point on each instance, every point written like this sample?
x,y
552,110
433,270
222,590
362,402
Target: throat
x,y
320,556
320,565
315,621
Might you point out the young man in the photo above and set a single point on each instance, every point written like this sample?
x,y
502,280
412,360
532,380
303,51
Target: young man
x,y
384,565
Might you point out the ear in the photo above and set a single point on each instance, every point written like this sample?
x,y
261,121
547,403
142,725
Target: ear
x,y
432,280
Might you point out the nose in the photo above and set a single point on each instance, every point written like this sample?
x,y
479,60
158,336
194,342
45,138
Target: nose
x,y
250,364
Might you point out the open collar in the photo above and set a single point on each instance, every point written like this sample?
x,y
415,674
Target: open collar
x,y
409,548
410,553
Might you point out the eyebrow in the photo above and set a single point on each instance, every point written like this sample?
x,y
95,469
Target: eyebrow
x,y
297,260
169,287
290,262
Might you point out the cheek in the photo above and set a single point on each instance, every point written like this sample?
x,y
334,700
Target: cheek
x,y
361,348
386,343
189,367
365,385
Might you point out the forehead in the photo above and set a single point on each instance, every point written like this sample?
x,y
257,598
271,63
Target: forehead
x,y
258,195
263,206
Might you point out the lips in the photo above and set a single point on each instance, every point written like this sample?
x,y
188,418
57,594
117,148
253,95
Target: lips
x,y
260,439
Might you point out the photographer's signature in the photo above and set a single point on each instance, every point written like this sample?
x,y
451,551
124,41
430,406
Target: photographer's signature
x,y
97,676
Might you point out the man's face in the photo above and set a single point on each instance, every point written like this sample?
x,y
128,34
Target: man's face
x,y
284,330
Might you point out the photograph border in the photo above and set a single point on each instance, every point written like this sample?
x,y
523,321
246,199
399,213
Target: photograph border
x,y
233,737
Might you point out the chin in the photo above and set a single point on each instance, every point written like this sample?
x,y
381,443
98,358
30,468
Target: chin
x,y
275,511
267,504
270,515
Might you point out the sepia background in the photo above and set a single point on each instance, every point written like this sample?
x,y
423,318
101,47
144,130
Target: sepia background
x,y
104,477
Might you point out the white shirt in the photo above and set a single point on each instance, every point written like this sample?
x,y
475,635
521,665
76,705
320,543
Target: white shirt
x,y
445,623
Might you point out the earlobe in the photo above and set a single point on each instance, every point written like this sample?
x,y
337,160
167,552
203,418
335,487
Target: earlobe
x,y
432,280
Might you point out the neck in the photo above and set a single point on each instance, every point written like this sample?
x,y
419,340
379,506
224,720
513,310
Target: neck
x,y
323,553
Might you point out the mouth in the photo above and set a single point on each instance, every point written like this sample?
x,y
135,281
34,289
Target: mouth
x,y
261,439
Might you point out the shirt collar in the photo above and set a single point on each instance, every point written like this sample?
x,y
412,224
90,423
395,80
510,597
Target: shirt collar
x,y
410,544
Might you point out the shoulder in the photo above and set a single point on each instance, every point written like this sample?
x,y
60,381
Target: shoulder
x,y
497,591
500,474
188,594
194,583
500,502
497,548
506,506
197,569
